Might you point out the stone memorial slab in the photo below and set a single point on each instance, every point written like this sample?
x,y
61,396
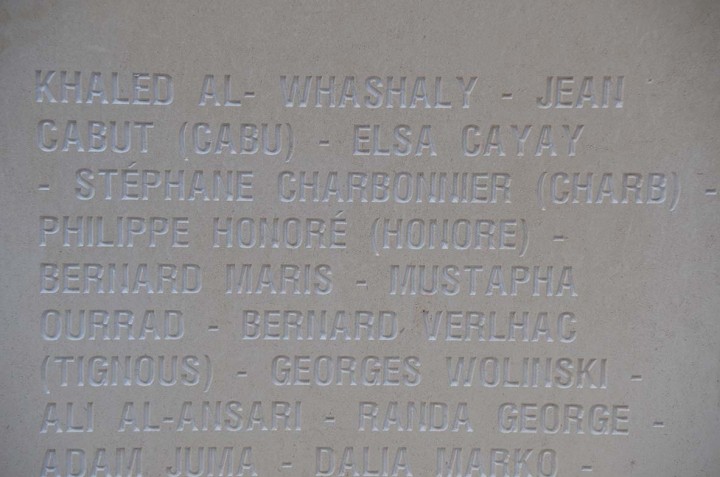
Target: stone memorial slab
x,y
363,239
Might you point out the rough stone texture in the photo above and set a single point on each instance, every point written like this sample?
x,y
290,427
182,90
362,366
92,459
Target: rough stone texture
x,y
635,275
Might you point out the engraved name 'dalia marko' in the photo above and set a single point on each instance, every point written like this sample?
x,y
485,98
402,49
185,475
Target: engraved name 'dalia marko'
x,y
386,461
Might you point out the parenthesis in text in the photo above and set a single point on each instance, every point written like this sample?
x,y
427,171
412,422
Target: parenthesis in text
x,y
526,239
181,140
291,143
676,191
209,374
373,237
44,373
540,187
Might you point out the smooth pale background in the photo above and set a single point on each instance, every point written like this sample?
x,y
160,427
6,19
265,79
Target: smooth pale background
x,y
647,277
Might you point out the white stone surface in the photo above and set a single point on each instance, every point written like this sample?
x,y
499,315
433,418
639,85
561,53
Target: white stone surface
x,y
627,325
